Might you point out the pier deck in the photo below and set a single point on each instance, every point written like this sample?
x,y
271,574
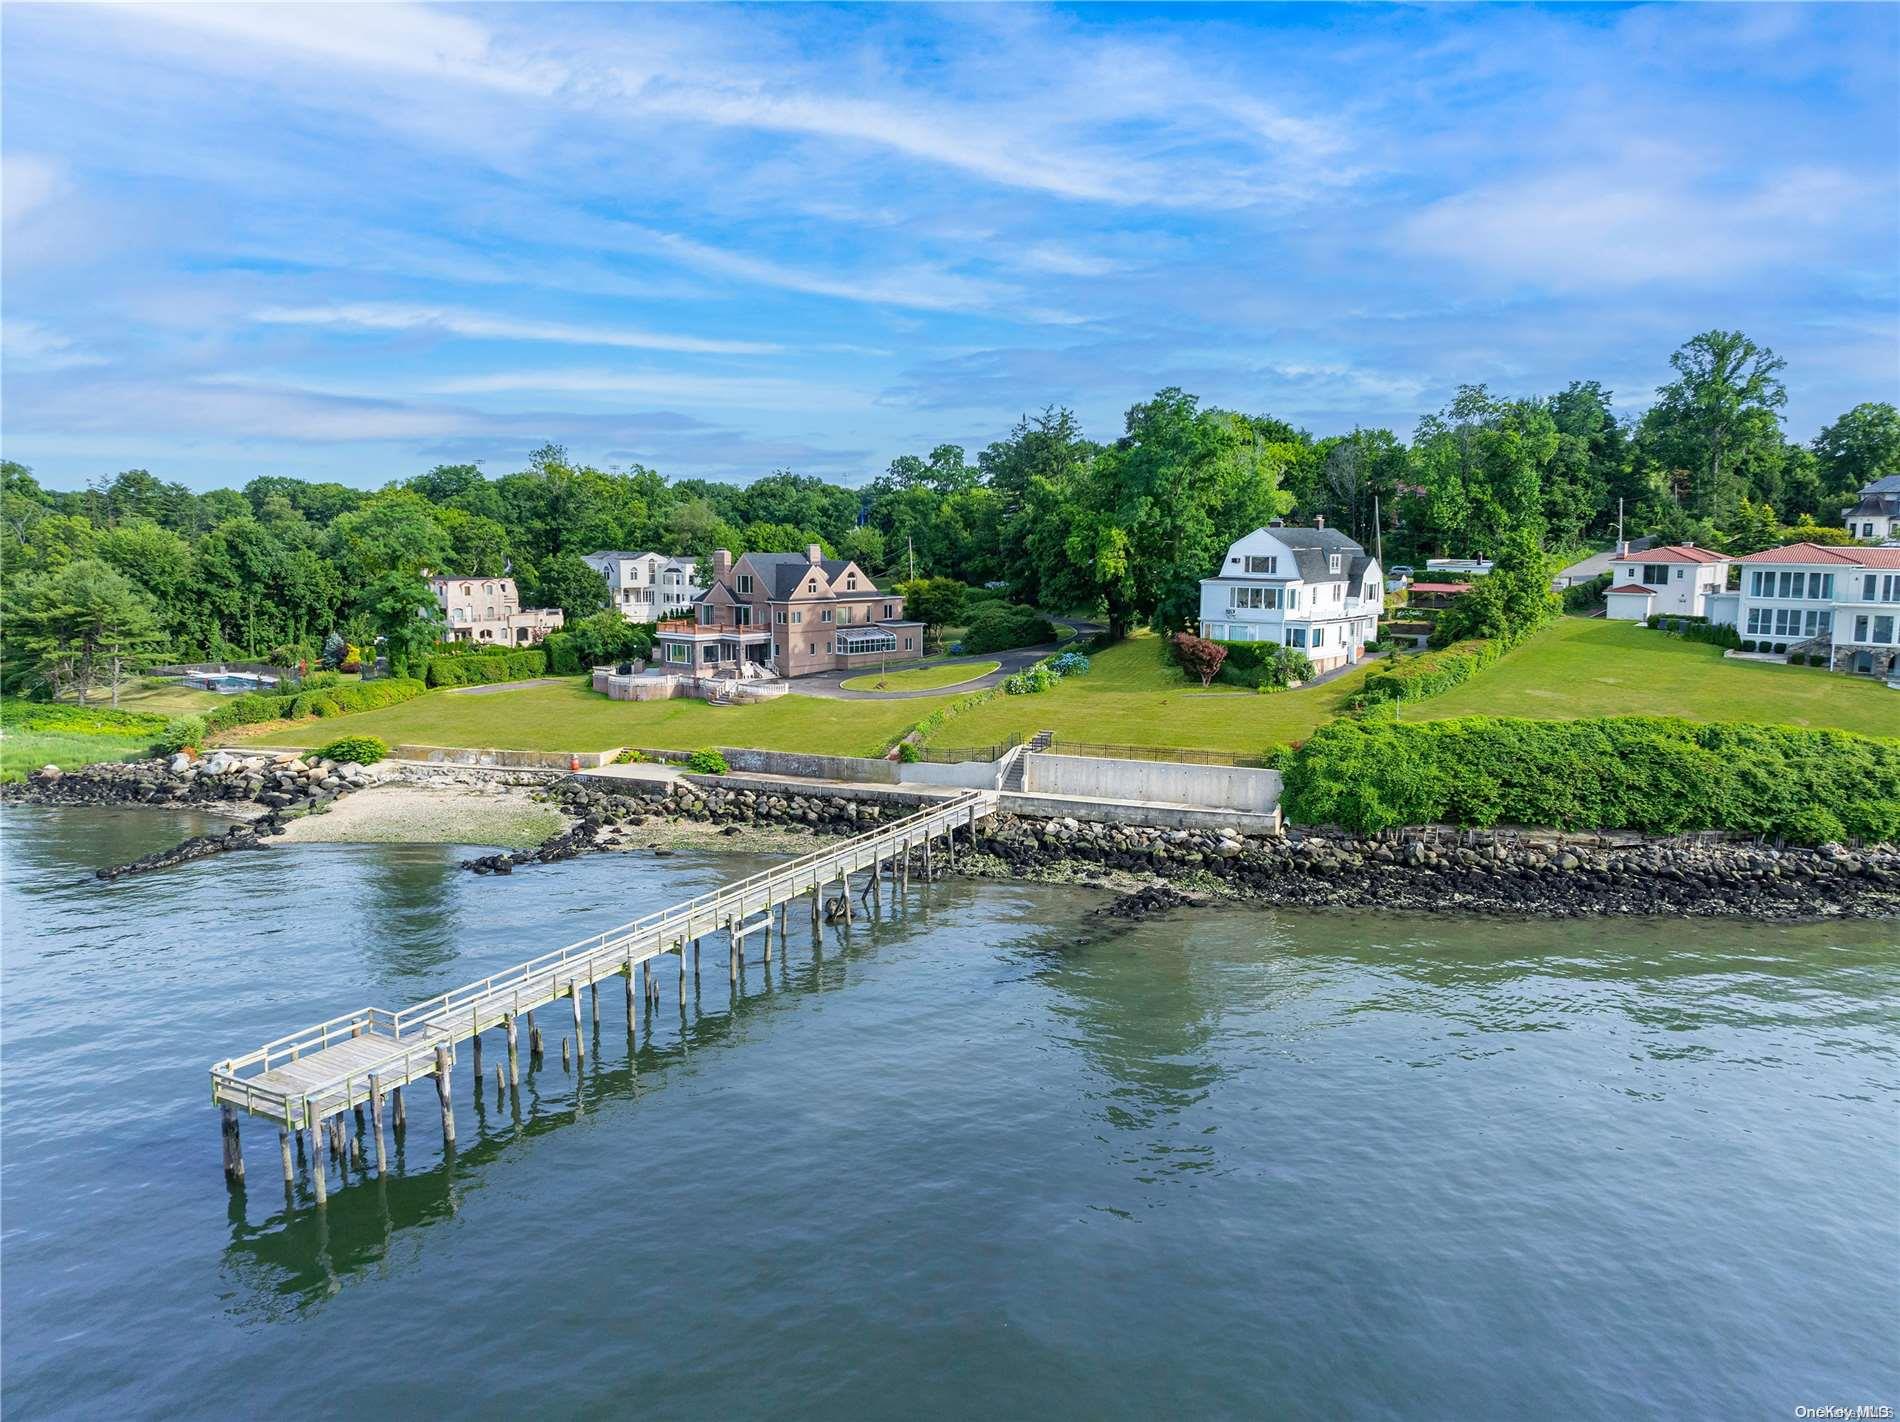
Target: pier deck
x,y
306,1078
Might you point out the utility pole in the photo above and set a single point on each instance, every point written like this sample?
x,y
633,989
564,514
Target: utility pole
x,y
910,551
1378,536
1621,547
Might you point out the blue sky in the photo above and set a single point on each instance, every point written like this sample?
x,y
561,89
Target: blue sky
x,y
353,242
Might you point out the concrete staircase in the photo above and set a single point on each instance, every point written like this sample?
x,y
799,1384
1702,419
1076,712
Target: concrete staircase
x,y
1019,760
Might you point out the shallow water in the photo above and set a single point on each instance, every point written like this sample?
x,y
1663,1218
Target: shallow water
x,y
985,1158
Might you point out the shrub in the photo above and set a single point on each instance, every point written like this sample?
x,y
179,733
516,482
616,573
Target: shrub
x,y
1581,596
1430,673
1817,659
999,626
1264,666
1069,664
706,761
318,679
358,750
907,752
482,667
336,651
1030,681
630,756
180,733
1702,630
1652,774
1198,656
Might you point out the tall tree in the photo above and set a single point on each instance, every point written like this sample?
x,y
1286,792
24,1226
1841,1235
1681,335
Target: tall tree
x,y
1715,416
1861,446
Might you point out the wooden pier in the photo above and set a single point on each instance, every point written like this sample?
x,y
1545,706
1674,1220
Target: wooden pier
x,y
307,1081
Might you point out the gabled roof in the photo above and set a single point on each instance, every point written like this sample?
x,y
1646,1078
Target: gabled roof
x,y
783,572
1439,587
1674,553
1632,588
1311,547
1886,484
1824,556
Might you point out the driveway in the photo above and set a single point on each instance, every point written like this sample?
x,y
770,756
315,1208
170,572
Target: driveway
x,y
830,684
1597,564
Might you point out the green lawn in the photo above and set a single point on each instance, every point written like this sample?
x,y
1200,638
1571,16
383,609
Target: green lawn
x,y
922,678
1595,667
164,697
22,752
1132,697
571,716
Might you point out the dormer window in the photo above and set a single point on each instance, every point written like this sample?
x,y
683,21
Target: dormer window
x,y
1256,563
1332,563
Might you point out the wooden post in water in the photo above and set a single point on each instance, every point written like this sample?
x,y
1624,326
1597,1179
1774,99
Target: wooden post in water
x,y
695,957
317,1181
681,945
580,1042
926,858
593,1001
768,930
563,1054
877,887
630,988
376,1120
283,1149
475,1042
534,1038
233,1151
444,1089
844,880
817,893
400,1121
514,1059
950,845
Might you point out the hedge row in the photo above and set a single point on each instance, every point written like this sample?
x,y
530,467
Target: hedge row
x,y
999,626
19,715
1653,774
465,669
342,700
1429,673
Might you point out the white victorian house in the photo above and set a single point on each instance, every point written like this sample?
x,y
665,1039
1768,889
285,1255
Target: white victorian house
x,y
1311,588
647,587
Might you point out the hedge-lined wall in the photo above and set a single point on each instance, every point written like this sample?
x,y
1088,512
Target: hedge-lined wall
x,y
480,669
256,706
1657,775
1429,673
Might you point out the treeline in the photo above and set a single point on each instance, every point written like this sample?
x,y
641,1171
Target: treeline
x,y
1125,527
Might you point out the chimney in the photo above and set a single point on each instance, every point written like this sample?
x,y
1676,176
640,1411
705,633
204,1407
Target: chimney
x,y
1688,543
1276,523
813,553
1319,520
722,563
1623,548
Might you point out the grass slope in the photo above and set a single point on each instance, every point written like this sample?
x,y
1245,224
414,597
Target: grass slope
x,y
569,715
1594,667
1133,697
922,678
23,752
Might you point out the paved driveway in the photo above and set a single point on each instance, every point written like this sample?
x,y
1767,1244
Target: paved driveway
x,y
830,684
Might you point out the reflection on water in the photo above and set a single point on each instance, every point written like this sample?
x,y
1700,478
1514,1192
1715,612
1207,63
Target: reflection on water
x,y
988,1154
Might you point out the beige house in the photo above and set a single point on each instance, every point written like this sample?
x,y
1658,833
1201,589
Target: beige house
x,y
490,610
789,613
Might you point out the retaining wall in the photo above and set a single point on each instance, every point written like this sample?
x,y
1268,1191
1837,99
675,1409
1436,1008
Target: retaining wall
x,y
1219,787
1116,812
455,755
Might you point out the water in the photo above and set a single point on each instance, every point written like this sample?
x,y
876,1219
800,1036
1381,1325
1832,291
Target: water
x,y
988,1159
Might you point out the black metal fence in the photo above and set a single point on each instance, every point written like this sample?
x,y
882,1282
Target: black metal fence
x,y
1186,755
958,755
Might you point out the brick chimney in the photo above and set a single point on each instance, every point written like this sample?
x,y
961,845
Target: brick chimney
x,y
722,563
1319,520
813,553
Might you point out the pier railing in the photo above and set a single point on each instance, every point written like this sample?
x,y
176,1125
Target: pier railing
x,y
414,1032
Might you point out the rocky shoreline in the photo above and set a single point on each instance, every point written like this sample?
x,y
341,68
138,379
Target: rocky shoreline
x,y
1482,872
265,791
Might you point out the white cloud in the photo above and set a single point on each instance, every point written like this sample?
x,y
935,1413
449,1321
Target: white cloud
x,y
30,345
389,316
761,392
28,184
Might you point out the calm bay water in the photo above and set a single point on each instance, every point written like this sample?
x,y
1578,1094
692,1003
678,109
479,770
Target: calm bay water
x,y
987,1158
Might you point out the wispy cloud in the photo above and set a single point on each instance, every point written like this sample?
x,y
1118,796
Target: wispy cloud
x,y
389,316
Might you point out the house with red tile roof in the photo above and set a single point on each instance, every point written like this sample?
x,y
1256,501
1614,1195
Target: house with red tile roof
x,y
1807,599
1677,581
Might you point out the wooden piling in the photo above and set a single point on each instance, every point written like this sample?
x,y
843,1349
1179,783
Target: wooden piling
x,y
563,1054
514,1059
376,1120
593,1001
358,1108
233,1151
768,933
283,1149
844,880
444,1089
399,1122
318,1184
926,859
630,988
681,945
475,1044
580,1042
534,1037
817,893
500,1085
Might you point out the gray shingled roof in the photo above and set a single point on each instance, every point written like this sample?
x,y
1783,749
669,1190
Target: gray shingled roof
x,y
784,571
1312,546
1888,485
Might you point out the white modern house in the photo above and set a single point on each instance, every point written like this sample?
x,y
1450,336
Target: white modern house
x,y
647,587
1311,588
1877,515
1678,581
1843,603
